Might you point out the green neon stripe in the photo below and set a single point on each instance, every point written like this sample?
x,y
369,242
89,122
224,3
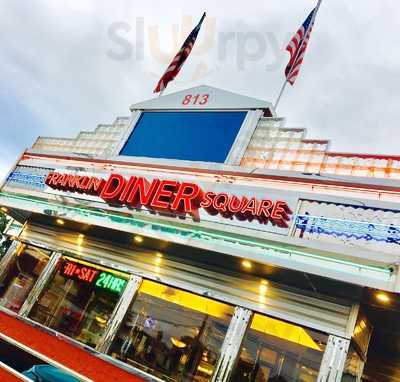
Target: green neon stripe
x,y
200,234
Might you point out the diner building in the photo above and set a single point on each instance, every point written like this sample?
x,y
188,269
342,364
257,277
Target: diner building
x,y
201,239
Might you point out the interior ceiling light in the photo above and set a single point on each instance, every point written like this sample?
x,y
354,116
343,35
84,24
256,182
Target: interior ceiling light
x,y
179,344
263,289
382,297
246,264
138,239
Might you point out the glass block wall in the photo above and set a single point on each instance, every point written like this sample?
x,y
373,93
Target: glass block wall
x,y
101,142
274,146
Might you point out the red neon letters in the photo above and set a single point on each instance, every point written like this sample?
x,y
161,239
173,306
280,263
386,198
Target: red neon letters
x,y
78,271
247,208
69,182
173,197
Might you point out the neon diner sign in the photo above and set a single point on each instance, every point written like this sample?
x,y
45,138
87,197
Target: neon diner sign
x,y
171,196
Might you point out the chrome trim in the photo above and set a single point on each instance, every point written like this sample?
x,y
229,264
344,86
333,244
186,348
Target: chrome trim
x,y
8,225
303,310
361,341
7,259
237,328
40,284
8,311
293,226
352,321
161,164
318,258
134,118
86,348
334,359
243,137
231,345
36,244
130,369
119,313
14,372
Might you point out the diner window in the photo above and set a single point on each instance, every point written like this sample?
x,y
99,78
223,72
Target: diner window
x,y
354,367
276,351
21,274
172,334
79,300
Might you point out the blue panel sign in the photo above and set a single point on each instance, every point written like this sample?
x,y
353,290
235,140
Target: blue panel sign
x,y
357,230
196,136
31,178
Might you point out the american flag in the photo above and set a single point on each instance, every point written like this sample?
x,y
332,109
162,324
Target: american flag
x,y
297,48
180,58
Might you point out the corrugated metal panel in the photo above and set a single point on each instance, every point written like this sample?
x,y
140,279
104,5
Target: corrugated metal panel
x,y
241,290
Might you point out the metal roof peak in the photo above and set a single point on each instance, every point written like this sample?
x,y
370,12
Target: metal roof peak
x,y
209,98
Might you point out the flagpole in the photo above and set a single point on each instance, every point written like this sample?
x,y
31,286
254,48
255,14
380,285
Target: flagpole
x,y
280,94
297,56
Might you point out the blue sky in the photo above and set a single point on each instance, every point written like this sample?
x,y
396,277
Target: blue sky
x,y
59,73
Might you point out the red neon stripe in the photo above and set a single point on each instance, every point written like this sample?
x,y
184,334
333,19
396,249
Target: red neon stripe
x,y
63,352
363,156
289,179
6,376
320,141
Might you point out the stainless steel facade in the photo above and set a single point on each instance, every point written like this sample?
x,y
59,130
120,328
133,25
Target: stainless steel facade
x,y
343,228
335,353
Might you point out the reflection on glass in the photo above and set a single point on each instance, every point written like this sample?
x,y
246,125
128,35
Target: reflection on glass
x,y
172,334
79,301
276,351
354,366
21,275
